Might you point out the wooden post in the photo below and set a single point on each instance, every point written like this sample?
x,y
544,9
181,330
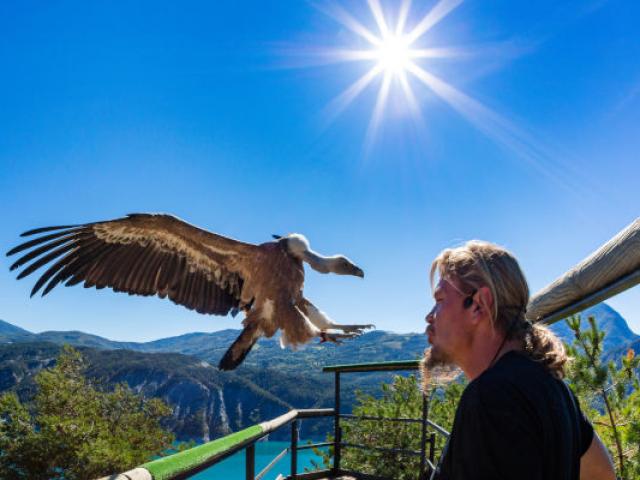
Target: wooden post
x,y
250,462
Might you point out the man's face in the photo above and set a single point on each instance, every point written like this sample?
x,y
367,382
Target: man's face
x,y
447,328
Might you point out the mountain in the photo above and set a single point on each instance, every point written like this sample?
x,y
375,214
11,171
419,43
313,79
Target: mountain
x,y
618,333
206,403
82,339
11,333
372,346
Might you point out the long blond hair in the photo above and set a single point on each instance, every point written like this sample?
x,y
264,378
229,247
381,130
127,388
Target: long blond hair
x,y
482,264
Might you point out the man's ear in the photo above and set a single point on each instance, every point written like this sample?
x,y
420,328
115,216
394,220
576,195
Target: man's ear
x,y
484,301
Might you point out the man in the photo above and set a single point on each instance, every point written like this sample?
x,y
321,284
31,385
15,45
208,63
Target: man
x,y
516,419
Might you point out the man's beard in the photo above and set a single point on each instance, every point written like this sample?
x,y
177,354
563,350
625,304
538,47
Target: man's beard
x,y
436,367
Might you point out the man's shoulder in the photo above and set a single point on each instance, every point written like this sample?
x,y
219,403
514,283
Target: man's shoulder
x,y
515,375
515,368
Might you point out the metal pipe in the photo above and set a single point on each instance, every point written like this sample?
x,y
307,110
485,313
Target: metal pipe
x,y
438,428
375,367
315,445
315,412
250,462
432,451
423,437
401,451
350,416
336,433
294,449
266,469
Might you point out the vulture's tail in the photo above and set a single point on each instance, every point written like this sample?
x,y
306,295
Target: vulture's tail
x,y
240,348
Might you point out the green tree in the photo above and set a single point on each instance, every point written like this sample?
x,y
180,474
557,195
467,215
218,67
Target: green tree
x,y
400,399
609,392
73,430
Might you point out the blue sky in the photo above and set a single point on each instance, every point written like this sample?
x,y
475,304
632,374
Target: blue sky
x,y
217,112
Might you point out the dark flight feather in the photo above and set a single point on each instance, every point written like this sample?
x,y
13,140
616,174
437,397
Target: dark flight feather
x,y
47,229
39,240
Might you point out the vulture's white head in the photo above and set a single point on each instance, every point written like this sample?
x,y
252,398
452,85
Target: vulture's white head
x,y
298,246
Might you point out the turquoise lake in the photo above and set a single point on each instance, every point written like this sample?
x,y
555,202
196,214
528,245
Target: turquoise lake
x,y
233,468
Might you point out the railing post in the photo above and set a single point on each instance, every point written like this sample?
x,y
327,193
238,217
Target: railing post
x,y
250,462
337,434
432,448
294,449
423,437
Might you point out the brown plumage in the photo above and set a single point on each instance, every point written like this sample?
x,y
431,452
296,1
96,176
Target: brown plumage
x,y
155,254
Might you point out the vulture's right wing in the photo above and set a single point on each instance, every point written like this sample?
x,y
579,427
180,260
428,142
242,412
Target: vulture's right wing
x,y
141,254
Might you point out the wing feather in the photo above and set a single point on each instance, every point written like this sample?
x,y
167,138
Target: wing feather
x,y
45,259
40,250
141,254
39,240
137,277
47,229
46,276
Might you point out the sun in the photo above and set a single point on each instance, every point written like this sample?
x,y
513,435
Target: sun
x,y
394,54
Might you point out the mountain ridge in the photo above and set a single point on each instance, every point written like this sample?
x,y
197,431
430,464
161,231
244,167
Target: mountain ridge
x,y
207,402
210,344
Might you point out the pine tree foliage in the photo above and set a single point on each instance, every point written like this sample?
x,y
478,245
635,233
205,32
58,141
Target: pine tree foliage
x,y
75,431
400,399
610,393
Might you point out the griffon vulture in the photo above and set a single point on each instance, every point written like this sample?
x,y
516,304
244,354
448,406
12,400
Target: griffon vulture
x,y
155,254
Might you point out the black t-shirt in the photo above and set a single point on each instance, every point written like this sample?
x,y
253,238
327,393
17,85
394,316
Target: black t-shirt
x,y
515,421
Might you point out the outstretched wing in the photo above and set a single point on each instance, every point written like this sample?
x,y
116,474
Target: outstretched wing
x,y
142,254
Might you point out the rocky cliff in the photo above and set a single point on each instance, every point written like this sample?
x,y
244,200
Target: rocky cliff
x,y
205,404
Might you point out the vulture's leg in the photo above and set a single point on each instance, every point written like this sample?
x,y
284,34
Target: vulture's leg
x,y
324,323
336,337
357,329
243,344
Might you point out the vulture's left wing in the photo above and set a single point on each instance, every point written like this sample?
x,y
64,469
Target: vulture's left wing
x,y
141,254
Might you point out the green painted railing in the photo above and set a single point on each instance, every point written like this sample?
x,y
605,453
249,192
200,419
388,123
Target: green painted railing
x,y
203,455
189,462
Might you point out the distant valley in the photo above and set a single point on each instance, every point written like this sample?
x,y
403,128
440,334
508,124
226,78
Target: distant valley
x,y
208,403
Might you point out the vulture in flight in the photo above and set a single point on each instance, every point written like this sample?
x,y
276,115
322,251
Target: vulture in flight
x,y
157,254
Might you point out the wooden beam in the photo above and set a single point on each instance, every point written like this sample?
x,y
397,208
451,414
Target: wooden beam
x,y
612,268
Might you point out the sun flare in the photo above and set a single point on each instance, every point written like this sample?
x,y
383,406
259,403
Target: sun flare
x,y
399,55
394,54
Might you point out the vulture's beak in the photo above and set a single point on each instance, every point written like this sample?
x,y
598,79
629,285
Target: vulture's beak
x,y
357,271
277,237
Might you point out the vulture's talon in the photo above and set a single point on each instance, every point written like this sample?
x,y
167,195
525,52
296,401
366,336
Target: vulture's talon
x,y
359,329
334,337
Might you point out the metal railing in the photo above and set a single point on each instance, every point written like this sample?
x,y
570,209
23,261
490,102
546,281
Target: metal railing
x,y
427,460
188,463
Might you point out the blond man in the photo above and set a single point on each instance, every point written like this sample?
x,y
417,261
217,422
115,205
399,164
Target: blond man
x,y
516,419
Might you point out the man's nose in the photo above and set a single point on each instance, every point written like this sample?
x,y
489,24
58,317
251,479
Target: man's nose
x,y
429,317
